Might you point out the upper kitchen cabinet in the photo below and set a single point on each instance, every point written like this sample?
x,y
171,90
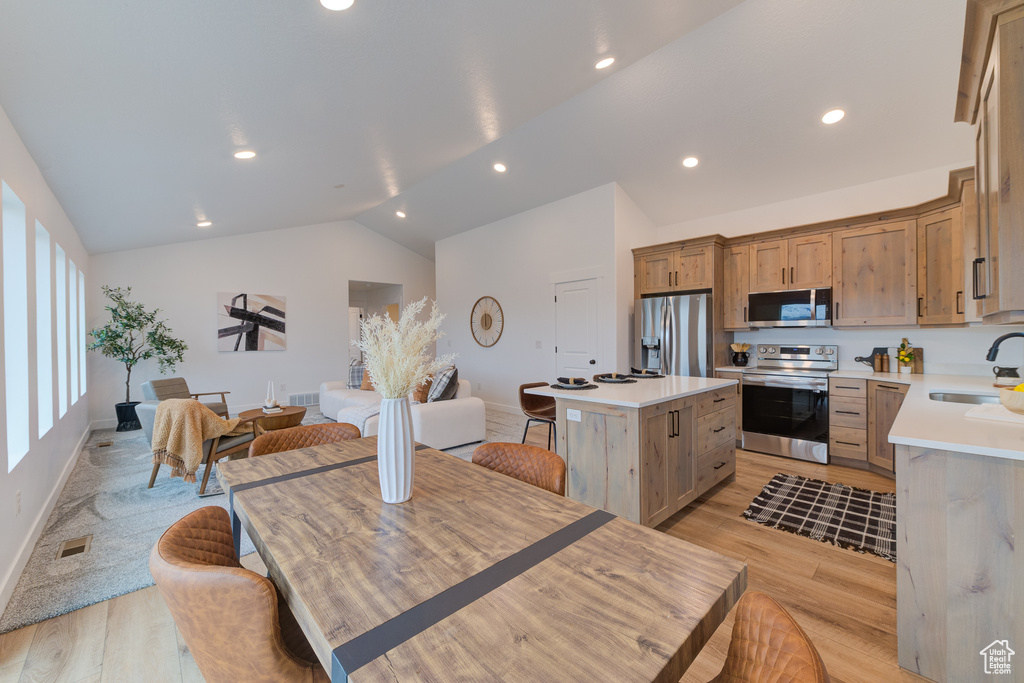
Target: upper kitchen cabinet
x,y
969,227
657,271
673,268
940,268
991,97
795,263
874,275
737,285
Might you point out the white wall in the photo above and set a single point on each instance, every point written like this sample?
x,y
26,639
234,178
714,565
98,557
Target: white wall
x,y
517,260
40,475
310,265
632,229
880,195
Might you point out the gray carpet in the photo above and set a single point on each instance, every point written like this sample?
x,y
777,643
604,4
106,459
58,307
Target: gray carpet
x,y
106,496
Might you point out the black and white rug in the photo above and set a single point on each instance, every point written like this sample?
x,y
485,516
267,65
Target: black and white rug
x,y
845,516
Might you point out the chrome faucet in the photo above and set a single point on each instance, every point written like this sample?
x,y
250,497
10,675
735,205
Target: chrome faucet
x,y
994,351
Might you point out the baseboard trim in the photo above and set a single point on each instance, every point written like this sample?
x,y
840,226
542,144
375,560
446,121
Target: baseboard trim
x,y
25,552
501,407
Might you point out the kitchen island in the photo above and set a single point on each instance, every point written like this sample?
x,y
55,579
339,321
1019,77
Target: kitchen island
x,y
645,450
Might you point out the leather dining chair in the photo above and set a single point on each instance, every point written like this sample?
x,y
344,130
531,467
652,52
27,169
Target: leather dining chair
x,y
530,464
768,645
537,409
303,436
233,620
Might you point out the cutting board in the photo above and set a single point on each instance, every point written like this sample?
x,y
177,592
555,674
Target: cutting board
x,y
995,412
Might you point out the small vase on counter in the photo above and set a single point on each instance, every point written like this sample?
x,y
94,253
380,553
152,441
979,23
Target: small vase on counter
x,y
905,369
740,358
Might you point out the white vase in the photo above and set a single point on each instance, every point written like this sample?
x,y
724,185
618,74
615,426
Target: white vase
x,y
395,448
905,369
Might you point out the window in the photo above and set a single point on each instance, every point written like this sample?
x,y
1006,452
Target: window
x,y
15,279
62,330
81,330
73,327
44,334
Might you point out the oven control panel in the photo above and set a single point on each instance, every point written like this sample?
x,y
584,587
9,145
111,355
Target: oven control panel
x,y
798,356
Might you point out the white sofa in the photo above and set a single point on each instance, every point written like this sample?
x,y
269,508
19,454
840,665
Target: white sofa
x,y
441,424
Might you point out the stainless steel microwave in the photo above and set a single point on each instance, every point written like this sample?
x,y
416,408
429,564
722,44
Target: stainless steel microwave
x,y
793,308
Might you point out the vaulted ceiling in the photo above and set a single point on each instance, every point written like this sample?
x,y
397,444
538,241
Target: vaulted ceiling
x,y
133,110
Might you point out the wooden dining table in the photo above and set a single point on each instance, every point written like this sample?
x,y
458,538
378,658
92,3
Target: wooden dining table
x,y
477,577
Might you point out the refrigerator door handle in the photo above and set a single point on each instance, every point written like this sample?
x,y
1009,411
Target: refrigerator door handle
x,y
667,338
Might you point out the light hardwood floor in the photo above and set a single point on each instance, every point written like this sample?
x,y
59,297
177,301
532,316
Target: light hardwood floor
x,y
844,600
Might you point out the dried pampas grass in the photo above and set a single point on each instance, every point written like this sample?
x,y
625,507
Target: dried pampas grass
x,y
395,353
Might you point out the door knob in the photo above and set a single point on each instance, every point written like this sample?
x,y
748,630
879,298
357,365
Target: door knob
x,y
593,362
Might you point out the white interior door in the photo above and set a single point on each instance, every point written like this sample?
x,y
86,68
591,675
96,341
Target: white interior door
x,y
577,345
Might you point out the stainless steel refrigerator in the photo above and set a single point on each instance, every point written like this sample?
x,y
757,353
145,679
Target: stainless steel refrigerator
x,y
673,335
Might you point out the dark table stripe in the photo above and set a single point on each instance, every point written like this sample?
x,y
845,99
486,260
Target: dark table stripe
x,y
376,642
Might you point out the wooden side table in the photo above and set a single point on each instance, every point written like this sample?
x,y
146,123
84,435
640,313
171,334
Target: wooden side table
x,y
290,416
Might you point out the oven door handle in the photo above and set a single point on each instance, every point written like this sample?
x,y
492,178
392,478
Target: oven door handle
x,y
785,382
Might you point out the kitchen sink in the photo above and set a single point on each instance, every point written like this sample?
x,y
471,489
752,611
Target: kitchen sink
x,y
962,398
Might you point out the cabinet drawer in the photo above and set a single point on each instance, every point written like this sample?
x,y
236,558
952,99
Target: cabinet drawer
x,y
850,388
718,399
715,429
714,466
847,412
845,442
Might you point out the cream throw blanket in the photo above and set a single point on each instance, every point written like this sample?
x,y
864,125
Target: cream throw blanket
x,y
180,427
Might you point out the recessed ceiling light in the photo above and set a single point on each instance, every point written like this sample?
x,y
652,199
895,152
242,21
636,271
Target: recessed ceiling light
x,y
245,154
833,116
400,214
605,63
500,168
204,224
337,5
690,162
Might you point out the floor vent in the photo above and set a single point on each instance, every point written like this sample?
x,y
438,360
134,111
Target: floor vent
x,y
75,546
304,399
104,444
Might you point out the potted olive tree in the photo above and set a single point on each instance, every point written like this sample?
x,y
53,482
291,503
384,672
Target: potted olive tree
x,y
132,336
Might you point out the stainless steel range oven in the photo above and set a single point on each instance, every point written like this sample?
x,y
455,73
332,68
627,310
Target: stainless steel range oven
x,y
785,401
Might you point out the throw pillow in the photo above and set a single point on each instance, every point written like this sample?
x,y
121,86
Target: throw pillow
x,y
445,385
421,392
367,385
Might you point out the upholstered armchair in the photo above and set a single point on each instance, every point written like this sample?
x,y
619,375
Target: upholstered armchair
x,y
177,387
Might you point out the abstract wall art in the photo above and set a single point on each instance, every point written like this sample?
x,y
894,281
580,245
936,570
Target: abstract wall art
x,y
250,322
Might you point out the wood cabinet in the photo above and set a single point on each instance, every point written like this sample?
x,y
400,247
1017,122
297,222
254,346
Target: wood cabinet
x,y
646,464
940,268
667,464
874,275
884,401
847,421
738,376
994,103
737,285
969,226
675,270
768,262
795,263
657,271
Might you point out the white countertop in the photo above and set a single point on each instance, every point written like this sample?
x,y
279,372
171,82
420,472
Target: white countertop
x,y
640,394
927,423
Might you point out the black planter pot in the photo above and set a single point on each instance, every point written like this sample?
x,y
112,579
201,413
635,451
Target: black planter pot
x,y
127,420
740,358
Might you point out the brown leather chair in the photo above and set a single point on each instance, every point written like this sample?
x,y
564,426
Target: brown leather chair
x,y
537,409
233,620
302,436
526,463
768,646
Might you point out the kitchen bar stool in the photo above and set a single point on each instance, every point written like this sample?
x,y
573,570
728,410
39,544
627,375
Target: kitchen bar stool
x,y
538,409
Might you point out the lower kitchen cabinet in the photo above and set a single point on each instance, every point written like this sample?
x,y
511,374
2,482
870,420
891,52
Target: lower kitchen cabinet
x,y
738,376
884,401
861,413
667,463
